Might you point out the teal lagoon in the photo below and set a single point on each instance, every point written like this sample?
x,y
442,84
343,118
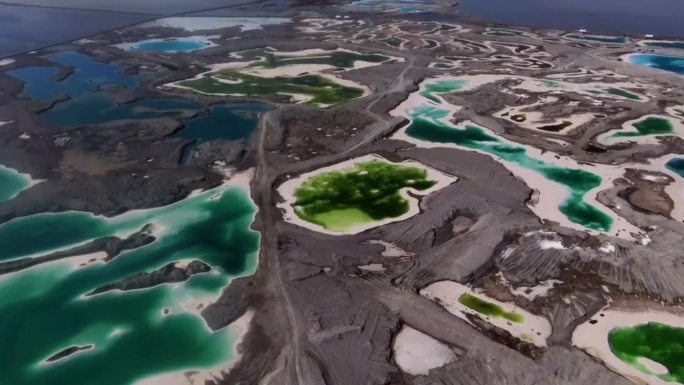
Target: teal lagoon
x,y
676,165
399,6
170,45
677,44
12,183
663,62
134,334
598,38
429,123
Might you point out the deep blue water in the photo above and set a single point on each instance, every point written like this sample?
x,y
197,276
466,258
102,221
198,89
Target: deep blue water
x,y
664,62
98,107
228,122
88,104
173,45
676,165
42,84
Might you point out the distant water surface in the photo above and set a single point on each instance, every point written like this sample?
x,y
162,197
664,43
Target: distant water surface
x,y
26,28
659,17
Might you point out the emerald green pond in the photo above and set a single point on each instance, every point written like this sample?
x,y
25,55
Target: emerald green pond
x,y
321,90
340,59
649,126
12,183
367,192
45,308
622,93
658,342
427,124
489,308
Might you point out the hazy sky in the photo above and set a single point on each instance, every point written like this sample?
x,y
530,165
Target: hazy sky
x,y
145,6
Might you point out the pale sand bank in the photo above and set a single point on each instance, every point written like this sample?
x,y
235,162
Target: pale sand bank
x,y
536,119
593,338
534,329
417,353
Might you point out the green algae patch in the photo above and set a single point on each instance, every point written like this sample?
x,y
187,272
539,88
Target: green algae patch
x,y
552,84
622,93
654,341
365,193
488,308
650,126
319,89
306,77
339,59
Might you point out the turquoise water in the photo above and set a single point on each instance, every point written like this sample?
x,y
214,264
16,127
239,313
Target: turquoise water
x,y
401,6
433,89
45,311
503,32
678,44
676,165
598,38
12,183
428,124
172,45
664,62
42,84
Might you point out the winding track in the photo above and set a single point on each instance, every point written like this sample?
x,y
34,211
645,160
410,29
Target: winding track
x,y
297,363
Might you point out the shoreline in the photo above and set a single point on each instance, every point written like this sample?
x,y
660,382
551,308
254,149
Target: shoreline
x,y
288,188
534,329
594,339
236,334
551,194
